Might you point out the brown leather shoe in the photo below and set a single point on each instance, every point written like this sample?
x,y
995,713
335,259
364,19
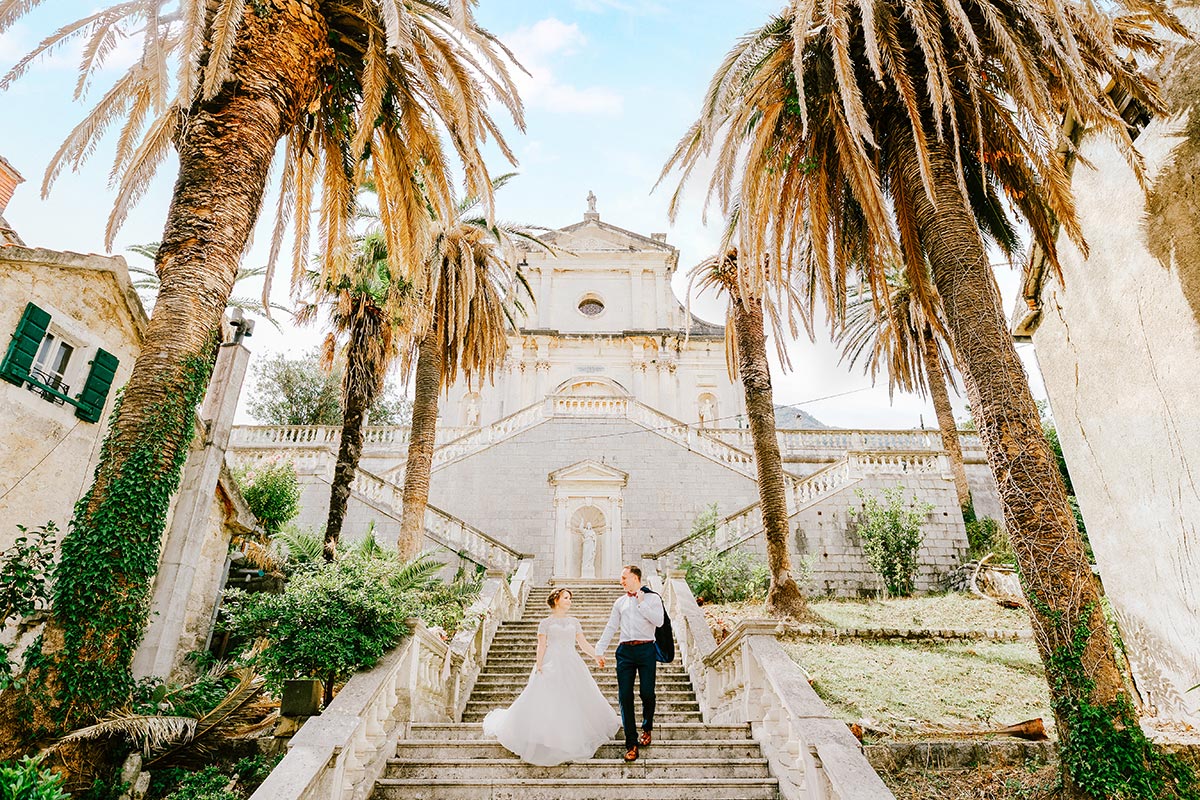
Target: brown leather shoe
x,y
631,754
644,739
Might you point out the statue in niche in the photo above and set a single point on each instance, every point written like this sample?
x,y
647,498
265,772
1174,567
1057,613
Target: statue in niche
x,y
473,411
588,545
708,410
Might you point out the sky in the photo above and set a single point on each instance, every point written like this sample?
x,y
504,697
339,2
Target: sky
x,y
611,85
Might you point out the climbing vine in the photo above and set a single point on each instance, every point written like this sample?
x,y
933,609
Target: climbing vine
x,y
109,558
1104,751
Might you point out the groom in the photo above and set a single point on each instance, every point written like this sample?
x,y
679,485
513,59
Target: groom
x,y
635,615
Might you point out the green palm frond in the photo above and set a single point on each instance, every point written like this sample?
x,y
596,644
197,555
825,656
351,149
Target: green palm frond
x,y
300,547
417,574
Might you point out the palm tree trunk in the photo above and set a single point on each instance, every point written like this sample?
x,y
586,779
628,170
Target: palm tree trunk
x,y
936,377
784,597
1068,622
101,595
363,382
427,387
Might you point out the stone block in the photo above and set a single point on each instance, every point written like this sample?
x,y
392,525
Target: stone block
x,y
301,698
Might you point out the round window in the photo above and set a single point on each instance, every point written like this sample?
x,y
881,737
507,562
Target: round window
x,y
590,307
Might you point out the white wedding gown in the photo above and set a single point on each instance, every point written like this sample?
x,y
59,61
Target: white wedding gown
x,y
562,715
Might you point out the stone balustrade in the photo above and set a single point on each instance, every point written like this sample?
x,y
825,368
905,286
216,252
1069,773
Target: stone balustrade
x,y
746,523
749,678
375,437
821,444
341,753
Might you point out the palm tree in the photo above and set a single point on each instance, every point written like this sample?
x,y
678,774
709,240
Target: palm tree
x,y
224,82
914,350
856,141
746,356
364,309
147,284
467,301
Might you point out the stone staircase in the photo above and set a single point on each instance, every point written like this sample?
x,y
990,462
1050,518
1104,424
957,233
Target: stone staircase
x,y
689,759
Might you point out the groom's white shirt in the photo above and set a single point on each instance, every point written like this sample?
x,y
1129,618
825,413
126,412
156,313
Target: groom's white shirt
x,y
635,621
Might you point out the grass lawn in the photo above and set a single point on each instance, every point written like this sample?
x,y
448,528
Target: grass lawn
x,y
915,690
932,611
1010,783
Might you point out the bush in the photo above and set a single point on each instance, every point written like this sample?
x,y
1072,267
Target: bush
x,y
272,491
26,572
715,577
987,535
26,780
890,532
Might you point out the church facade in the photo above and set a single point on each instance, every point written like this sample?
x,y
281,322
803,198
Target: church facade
x,y
613,425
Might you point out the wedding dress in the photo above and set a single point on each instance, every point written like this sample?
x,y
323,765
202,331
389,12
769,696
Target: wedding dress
x,y
561,715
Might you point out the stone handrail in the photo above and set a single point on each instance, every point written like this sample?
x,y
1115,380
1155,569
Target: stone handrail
x,y
477,439
284,436
341,753
818,443
749,678
745,524
441,527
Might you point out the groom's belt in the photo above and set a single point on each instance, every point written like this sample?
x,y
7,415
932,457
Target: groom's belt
x,y
639,641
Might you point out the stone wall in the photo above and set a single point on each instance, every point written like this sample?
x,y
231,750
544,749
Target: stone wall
x,y
823,537
49,453
505,490
1118,344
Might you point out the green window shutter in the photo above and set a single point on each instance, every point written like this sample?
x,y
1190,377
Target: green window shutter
x,y
95,390
24,345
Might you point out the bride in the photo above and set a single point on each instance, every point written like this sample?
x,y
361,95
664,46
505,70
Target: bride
x,y
562,715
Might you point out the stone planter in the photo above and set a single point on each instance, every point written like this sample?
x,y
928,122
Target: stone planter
x,y
301,698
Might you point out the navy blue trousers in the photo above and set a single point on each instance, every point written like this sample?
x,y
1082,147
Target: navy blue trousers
x,y
636,660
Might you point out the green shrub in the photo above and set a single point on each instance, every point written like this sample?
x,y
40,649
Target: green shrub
x,y
890,533
206,784
26,780
26,572
272,491
987,535
716,577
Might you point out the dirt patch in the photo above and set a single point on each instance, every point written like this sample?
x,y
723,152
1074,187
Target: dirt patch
x,y
908,690
957,611
1006,783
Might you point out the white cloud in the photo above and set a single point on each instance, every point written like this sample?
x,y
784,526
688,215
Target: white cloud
x,y
540,49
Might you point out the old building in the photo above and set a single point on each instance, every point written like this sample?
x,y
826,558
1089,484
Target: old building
x,y
1118,343
611,427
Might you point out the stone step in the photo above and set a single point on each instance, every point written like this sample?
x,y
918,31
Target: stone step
x,y
693,731
578,789
663,683
477,713
606,770
662,748
665,698
524,666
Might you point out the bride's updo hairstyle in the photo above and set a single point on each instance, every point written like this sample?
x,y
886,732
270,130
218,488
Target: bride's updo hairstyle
x,y
552,598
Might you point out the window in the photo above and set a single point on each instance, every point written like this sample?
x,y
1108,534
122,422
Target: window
x,y
50,366
39,359
591,306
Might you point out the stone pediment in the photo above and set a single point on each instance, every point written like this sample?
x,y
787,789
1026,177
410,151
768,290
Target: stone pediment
x,y
594,236
589,471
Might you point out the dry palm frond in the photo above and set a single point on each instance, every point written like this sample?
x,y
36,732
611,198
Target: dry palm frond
x,y
403,73
231,715
807,138
260,555
150,732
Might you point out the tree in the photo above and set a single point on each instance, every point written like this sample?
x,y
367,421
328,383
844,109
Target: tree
x,y
465,305
363,307
896,335
300,391
851,142
147,284
746,356
337,82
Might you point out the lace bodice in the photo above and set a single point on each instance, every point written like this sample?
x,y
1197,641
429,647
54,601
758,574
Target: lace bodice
x,y
560,631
